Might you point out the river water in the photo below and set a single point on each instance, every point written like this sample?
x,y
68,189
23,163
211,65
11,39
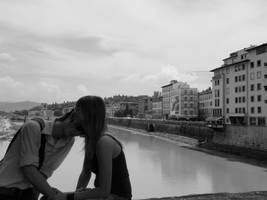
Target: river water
x,y
160,168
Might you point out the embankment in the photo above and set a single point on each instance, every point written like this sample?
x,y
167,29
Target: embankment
x,y
246,141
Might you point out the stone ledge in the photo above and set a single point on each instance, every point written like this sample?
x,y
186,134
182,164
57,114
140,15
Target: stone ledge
x,y
256,195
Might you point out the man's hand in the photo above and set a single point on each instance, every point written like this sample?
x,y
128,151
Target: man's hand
x,y
83,189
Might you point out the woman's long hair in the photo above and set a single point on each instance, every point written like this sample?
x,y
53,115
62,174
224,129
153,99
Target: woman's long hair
x,y
94,114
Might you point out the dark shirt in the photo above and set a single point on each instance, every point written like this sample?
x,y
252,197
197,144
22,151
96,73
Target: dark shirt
x,y
120,182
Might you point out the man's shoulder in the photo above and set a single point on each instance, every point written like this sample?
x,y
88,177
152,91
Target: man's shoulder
x,y
31,124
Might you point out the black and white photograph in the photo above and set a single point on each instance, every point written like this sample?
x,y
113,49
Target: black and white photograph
x,y
133,100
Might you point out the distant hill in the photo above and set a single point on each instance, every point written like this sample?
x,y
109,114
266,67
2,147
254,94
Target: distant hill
x,y
21,105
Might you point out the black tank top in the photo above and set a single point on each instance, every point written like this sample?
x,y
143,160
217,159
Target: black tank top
x,y
120,183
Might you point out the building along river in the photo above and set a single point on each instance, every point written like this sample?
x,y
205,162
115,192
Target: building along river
x,y
159,168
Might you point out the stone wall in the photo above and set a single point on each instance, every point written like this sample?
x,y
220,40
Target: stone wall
x,y
248,141
243,136
196,130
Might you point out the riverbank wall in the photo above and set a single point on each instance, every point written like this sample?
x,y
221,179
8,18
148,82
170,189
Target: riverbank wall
x,y
196,130
247,141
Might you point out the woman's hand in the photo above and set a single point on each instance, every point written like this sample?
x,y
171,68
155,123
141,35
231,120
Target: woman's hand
x,y
59,196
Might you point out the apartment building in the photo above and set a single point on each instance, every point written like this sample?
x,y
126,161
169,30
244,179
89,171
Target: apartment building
x,y
179,100
166,89
205,104
111,109
133,106
145,107
239,87
157,107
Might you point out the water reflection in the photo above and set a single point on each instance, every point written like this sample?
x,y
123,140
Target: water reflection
x,y
175,170
159,168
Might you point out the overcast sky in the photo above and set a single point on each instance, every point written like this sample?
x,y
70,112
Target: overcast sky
x,y
56,50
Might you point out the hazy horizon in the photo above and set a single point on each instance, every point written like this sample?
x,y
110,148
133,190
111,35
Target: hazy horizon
x,y
55,51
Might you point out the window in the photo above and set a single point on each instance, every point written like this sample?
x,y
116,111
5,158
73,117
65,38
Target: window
x,y
236,100
185,105
236,110
227,110
252,121
259,98
252,65
217,93
227,70
227,100
243,88
252,87
258,86
227,80
265,64
239,78
227,90
259,75
258,63
243,77
236,79
252,76
191,112
244,99
265,87
217,102
252,110
243,66
261,121
185,112
265,76
259,109
252,98
217,82
236,89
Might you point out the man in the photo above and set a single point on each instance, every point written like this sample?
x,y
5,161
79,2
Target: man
x,y
21,176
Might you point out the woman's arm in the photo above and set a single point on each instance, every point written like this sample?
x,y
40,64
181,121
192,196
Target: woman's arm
x,y
104,151
85,175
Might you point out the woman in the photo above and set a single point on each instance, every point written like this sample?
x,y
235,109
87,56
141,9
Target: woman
x,y
104,156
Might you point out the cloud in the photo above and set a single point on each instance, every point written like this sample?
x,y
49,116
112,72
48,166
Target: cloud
x,y
6,57
167,73
10,82
87,44
83,89
71,48
14,90
147,83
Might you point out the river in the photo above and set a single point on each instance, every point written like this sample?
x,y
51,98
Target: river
x,y
160,168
